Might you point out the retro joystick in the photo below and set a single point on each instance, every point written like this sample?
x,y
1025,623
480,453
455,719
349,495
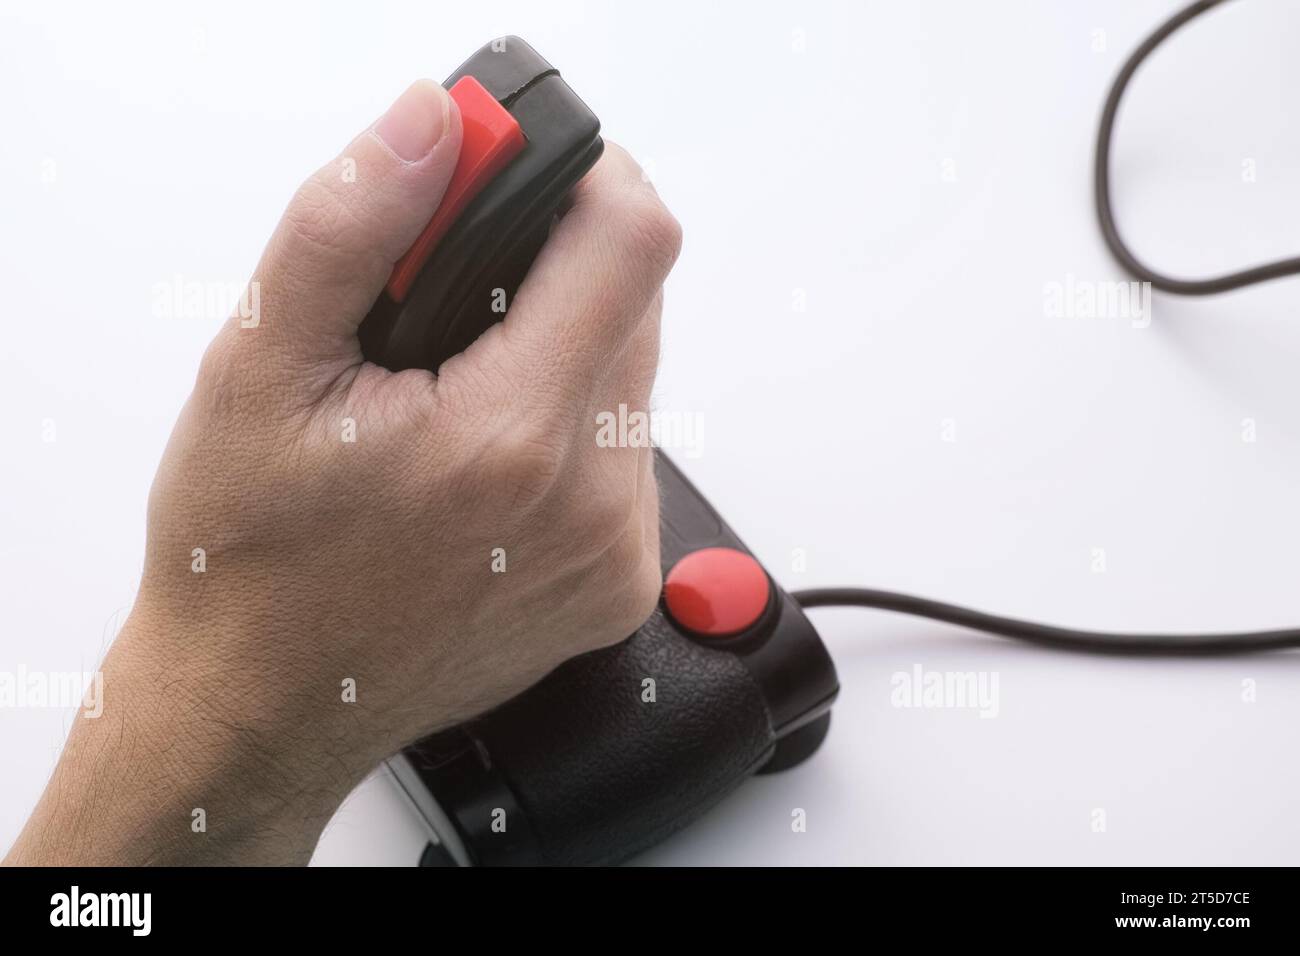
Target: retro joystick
x,y
617,748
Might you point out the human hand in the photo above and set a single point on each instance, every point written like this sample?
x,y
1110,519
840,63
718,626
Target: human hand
x,y
350,518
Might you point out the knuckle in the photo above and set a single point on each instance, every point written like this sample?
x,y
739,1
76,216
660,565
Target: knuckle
x,y
648,230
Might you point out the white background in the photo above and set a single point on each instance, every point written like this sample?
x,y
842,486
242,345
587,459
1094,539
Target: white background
x,y
174,135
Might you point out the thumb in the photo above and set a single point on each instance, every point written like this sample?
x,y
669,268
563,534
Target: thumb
x,y
346,226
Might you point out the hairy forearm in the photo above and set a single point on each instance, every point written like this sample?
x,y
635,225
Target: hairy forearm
x,y
167,774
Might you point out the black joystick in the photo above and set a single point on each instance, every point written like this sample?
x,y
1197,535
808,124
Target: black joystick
x,y
618,748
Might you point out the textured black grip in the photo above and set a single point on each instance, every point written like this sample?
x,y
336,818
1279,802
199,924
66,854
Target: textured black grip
x,y
603,774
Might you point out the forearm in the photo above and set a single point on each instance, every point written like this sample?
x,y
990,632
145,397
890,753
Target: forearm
x,y
168,774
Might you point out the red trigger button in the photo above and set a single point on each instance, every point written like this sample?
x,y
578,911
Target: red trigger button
x,y
717,592
490,138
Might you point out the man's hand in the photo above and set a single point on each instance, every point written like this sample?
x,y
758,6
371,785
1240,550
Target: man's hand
x,y
435,542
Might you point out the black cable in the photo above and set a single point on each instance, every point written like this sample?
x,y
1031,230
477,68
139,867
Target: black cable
x,y
1064,638
1101,184
1061,638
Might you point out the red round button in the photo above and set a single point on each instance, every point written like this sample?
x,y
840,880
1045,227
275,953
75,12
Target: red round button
x,y
716,592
